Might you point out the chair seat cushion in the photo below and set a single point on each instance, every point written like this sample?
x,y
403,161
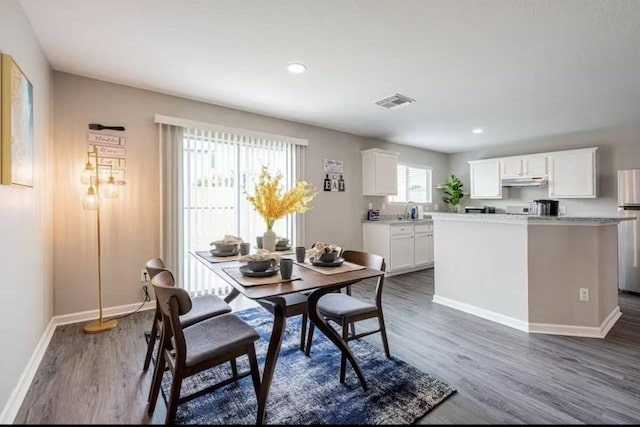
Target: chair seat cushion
x,y
295,299
204,307
340,305
213,337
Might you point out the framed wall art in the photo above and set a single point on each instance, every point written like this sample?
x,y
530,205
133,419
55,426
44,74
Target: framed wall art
x,y
16,125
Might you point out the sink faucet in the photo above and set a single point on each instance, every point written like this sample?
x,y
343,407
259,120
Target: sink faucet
x,y
407,214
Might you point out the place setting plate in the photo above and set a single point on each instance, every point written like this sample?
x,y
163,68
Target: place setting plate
x,y
215,252
246,271
336,263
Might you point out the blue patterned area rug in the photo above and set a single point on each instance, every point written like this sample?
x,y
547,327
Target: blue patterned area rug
x,y
306,390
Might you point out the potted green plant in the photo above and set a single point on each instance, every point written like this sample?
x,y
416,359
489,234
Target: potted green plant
x,y
453,192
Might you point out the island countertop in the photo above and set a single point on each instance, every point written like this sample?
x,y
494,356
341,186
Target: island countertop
x,y
531,219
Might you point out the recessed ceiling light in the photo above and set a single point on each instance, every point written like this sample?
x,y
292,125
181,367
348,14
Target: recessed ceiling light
x,y
477,131
296,68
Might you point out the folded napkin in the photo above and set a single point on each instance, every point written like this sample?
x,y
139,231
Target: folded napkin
x,y
228,240
319,248
261,255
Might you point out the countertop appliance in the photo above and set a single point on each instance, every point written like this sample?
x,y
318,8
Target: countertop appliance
x,y
479,209
517,210
629,231
544,207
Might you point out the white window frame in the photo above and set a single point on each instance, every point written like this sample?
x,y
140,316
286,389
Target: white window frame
x,y
415,166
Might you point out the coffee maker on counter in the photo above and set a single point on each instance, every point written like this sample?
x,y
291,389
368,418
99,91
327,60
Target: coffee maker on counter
x,y
544,207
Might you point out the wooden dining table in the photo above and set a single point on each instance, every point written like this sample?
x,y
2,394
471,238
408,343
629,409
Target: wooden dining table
x,y
310,280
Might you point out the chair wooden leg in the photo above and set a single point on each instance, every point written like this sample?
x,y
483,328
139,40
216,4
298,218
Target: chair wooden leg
x,y
158,372
152,342
352,325
255,371
174,398
303,331
307,352
234,368
343,356
383,333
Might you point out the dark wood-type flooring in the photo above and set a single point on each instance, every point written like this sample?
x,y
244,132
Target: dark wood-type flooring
x,y
502,375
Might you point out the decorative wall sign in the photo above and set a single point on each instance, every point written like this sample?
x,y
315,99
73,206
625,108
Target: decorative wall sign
x,y
333,166
118,174
109,151
333,183
110,161
97,138
16,124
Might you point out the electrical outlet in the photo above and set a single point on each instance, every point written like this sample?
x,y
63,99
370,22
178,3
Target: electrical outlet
x,y
584,294
563,210
144,276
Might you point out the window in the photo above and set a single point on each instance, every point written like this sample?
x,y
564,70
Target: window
x,y
216,170
414,184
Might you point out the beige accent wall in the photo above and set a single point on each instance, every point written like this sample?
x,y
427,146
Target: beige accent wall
x,y
618,149
25,216
131,223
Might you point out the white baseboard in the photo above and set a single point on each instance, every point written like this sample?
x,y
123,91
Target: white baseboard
x,y
535,328
118,310
10,410
481,312
578,331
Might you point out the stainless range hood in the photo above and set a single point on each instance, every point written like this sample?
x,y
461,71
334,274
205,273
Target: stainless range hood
x,y
529,181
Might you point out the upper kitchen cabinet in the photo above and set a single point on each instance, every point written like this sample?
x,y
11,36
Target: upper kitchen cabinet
x,y
379,172
485,179
524,166
572,174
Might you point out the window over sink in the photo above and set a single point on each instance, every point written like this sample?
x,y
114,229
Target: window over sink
x,y
414,184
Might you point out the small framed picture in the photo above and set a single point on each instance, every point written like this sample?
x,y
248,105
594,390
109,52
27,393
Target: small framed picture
x,y
333,166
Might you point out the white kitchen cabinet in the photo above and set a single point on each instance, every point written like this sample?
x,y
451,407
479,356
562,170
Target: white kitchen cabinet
x,y
485,179
379,172
511,167
572,174
401,256
405,246
523,166
534,166
423,244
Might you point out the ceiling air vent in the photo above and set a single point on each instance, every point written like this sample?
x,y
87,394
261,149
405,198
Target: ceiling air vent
x,y
396,101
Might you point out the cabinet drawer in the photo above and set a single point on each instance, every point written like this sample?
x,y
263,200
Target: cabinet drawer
x,y
401,229
423,228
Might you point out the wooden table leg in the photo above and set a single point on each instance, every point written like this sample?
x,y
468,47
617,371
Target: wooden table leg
x,y
279,325
232,295
320,323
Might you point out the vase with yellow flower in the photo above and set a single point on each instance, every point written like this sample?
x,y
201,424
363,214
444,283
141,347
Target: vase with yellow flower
x,y
272,202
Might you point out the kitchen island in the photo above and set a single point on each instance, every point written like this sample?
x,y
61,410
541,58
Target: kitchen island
x,y
554,275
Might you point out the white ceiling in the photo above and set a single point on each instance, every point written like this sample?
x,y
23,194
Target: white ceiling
x,y
519,69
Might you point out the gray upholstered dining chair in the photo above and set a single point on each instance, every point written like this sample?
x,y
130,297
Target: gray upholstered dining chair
x,y
345,310
296,305
204,345
204,307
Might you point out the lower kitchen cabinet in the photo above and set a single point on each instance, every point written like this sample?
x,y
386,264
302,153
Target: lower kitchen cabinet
x,y
405,246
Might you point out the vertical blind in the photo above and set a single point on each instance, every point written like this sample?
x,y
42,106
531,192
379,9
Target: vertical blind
x,y
218,167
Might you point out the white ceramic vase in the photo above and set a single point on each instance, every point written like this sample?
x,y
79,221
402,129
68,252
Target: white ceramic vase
x,y
269,240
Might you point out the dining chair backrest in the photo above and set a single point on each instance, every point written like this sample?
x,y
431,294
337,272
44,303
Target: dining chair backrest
x,y
165,288
372,261
173,303
155,266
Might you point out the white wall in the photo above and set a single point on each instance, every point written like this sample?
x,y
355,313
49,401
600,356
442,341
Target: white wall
x,y
619,149
25,217
131,223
